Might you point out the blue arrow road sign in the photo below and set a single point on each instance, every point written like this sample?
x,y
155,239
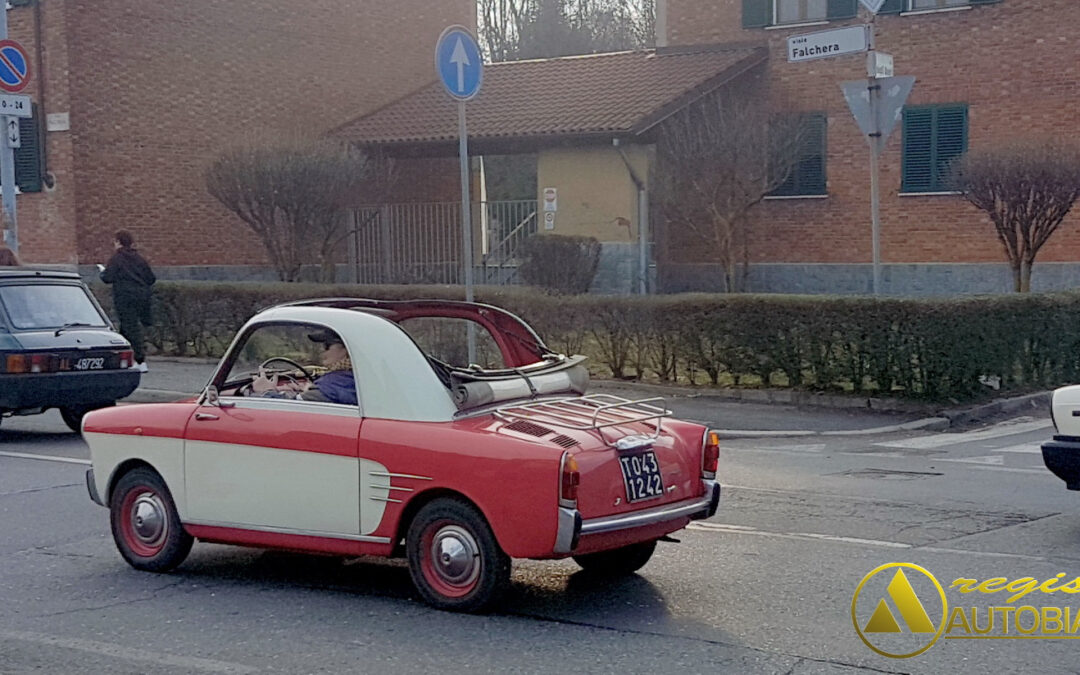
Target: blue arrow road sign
x,y
459,63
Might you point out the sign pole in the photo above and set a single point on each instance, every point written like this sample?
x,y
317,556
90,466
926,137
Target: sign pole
x,y
466,221
7,169
874,89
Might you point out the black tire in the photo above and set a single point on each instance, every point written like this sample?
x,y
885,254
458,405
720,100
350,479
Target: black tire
x,y
471,573
619,561
73,415
145,525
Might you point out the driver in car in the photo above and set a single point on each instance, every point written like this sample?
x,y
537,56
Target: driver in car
x,y
337,385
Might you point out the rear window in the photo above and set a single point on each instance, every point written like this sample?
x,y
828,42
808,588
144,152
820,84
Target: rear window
x,y
49,306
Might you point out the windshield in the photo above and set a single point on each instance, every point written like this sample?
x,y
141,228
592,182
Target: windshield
x,y
49,306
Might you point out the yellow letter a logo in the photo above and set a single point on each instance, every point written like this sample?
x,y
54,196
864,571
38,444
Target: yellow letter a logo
x,y
911,609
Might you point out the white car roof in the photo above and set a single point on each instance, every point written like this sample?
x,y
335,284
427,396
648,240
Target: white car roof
x,y
394,379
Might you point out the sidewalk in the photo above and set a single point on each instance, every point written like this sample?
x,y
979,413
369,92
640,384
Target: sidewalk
x,y
739,412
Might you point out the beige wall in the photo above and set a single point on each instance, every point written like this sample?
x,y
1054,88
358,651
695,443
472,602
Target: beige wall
x,y
597,197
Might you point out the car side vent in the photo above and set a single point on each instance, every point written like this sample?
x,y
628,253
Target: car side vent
x,y
527,427
564,441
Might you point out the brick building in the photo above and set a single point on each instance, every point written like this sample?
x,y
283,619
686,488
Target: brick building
x,y
986,71
135,97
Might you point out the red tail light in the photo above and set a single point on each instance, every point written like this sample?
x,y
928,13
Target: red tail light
x,y
127,359
569,480
31,363
710,454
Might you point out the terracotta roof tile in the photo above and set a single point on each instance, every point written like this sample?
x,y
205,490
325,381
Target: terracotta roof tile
x,y
617,92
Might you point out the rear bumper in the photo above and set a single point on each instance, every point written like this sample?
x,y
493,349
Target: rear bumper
x,y
572,527
1063,459
72,389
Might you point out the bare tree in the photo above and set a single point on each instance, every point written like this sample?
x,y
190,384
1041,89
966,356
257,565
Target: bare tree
x,y
1027,188
718,159
525,29
293,190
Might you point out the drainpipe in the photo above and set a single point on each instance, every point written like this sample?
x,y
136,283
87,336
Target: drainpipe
x,y
643,220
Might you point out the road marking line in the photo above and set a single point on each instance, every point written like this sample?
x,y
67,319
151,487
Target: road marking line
x,y
803,536
140,655
46,458
1026,448
1041,472
941,440
996,460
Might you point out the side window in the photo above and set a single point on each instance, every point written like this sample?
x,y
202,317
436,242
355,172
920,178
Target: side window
x,y
278,342
447,340
761,13
934,136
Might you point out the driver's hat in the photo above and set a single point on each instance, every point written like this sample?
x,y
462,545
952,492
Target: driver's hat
x,y
325,337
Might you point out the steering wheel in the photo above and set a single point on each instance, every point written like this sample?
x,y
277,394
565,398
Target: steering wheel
x,y
294,364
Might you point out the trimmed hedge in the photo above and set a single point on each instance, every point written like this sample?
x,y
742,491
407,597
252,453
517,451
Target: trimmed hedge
x,y
927,349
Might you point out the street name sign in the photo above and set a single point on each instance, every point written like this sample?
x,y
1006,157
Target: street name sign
x,y
828,43
14,66
459,63
873,6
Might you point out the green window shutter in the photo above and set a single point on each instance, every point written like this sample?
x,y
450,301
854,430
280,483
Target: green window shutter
x,y
892,7
917,165
756,13
934,137
950,143
983,2
808,177
843,9
28,155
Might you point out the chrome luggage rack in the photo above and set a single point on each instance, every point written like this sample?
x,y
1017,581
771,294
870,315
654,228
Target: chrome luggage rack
x,y
594,412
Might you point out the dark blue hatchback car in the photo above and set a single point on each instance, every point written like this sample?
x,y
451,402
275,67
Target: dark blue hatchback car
x,y
58,348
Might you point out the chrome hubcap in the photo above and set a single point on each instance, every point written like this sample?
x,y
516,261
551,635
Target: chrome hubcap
x,y
148,519
456,555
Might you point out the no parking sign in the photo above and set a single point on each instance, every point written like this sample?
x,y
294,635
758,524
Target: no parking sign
x,y
14,66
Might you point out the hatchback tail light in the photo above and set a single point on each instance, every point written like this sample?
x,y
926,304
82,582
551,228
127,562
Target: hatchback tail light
x,y
127,359
710,455
31,363
568,481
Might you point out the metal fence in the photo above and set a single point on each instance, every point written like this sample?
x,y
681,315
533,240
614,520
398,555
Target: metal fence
x,y
422,243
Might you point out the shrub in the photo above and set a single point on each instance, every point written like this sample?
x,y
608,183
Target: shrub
x,y
926,349
560,264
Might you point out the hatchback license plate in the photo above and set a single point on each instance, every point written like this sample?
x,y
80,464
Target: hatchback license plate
x,y
641,475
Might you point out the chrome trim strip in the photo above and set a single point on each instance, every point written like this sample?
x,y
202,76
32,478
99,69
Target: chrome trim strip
x,y
383,474
391,487
285,530
649,517
568,531
291,405
385,499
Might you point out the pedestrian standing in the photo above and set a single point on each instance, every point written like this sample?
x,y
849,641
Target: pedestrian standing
x,y
132,281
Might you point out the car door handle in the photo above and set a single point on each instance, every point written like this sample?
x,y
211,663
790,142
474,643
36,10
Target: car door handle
x,y
205,416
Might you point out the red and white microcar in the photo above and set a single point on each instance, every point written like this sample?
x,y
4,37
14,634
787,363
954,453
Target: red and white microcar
x,y
458,468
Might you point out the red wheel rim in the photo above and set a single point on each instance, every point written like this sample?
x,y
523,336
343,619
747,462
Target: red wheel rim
x,y
450,559
144,521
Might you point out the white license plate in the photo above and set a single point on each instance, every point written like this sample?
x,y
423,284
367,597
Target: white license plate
x,y
89,364
641,475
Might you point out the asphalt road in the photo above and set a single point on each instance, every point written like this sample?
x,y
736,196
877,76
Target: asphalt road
x,y
764,587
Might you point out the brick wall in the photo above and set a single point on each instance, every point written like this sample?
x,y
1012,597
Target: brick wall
x,y
155,89
1014,63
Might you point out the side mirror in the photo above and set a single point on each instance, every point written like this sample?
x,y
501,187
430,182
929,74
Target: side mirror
x,y
211,398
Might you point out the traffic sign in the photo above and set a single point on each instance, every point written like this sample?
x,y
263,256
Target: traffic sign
x,y
459,63
14,66
826,43
16,105
873,5
12,139
877,120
